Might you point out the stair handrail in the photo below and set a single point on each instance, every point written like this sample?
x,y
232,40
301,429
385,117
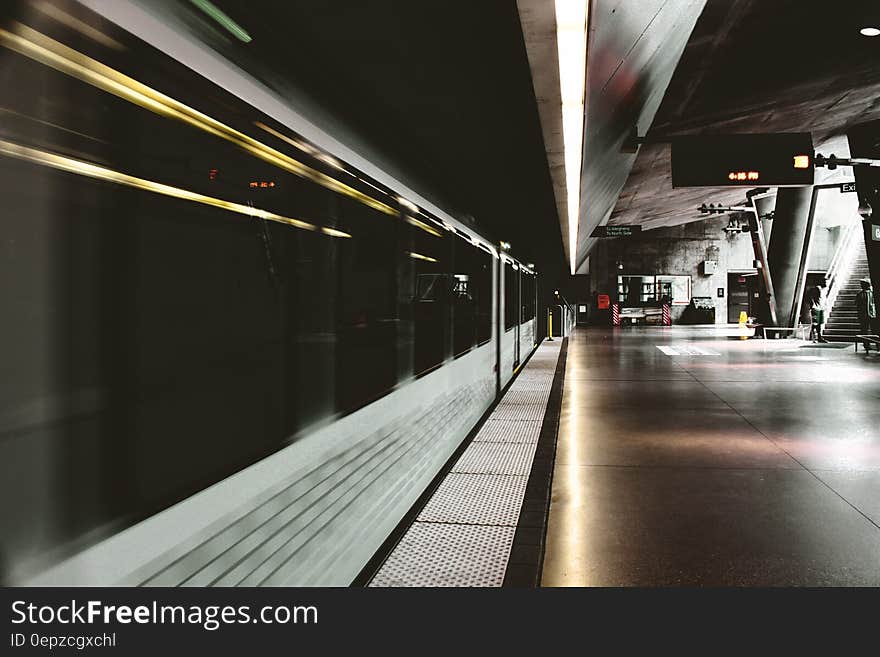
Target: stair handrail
x,y
840,265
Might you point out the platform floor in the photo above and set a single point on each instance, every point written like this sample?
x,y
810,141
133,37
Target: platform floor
x,y
714,461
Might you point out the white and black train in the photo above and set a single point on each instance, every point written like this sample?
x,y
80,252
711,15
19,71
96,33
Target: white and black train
x,y
234,351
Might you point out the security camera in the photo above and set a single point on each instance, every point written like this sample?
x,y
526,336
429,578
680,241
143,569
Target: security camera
x,y
866,211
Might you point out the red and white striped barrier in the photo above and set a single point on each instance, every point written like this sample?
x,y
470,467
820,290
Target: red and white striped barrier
x,y
615,314
667,315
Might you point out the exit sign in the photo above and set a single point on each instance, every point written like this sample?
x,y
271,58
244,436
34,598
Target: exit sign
x,y
846,188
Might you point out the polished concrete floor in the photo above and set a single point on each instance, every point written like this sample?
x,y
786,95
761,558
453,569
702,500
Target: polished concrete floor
x,y
717,462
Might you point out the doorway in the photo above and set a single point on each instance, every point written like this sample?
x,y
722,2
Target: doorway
x,y
743,291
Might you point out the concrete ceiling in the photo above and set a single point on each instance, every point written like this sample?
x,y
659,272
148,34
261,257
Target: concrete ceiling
x,y
757,66
632,52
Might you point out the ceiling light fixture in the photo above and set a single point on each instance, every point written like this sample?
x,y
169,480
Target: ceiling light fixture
x,y
571,39
870,31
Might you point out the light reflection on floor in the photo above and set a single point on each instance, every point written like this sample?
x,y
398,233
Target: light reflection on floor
x,y
756,466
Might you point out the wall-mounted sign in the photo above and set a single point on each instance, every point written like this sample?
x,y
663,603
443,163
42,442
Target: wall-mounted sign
x,y
720,291
778,160
875,233
615,231
603,301
846,188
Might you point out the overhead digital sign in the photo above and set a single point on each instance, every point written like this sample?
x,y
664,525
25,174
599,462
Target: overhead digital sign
x,y
747,160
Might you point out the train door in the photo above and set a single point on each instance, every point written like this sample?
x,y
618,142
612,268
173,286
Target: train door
x,y
499,318
517,276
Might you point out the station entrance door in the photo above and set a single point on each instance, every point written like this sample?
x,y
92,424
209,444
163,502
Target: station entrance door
x,y
743,292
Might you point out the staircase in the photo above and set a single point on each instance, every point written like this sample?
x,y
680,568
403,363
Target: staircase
x,y
842,324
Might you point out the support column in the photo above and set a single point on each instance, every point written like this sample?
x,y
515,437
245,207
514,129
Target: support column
x,y
864,141
789,244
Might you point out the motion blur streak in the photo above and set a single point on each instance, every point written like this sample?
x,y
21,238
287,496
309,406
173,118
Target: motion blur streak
x,y
94,171
222,19
293,142
45,50
333,232
76,24
422,225
419,256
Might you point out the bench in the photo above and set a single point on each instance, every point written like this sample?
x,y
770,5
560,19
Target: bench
x,y
872,339
641,314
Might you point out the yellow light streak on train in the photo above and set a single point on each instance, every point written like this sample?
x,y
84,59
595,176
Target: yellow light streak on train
x,y
82,168
419,256
39,47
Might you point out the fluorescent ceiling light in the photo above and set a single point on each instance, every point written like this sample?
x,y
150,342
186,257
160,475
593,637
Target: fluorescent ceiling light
x,y
870,31
571,39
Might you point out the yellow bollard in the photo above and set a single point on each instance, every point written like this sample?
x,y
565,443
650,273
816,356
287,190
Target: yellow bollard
x,y
550,313
743,320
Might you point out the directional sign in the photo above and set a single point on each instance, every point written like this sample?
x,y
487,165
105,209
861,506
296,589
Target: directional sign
x,y
847,187
615,231
875,232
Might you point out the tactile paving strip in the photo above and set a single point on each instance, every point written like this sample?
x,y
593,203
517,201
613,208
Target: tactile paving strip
x,y
476,499
532,381
494,458
463,535
534,396
530,412
444,555
509,431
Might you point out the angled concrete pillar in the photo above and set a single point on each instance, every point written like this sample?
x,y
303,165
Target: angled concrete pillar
x,y
864,141
786,254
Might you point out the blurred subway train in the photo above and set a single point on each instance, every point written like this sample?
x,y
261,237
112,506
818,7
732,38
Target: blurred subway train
x,y
235,352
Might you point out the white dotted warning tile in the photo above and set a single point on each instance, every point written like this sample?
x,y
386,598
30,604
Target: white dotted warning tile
x,y
536,396
448,555
492,458
476,499
509,431
529,412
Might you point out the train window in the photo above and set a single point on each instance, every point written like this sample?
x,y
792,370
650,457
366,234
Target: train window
x,y
528,297
511,296
483,294
469,294
366,335
432,288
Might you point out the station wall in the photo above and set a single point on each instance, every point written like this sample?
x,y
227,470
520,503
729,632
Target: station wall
x,y
677,251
